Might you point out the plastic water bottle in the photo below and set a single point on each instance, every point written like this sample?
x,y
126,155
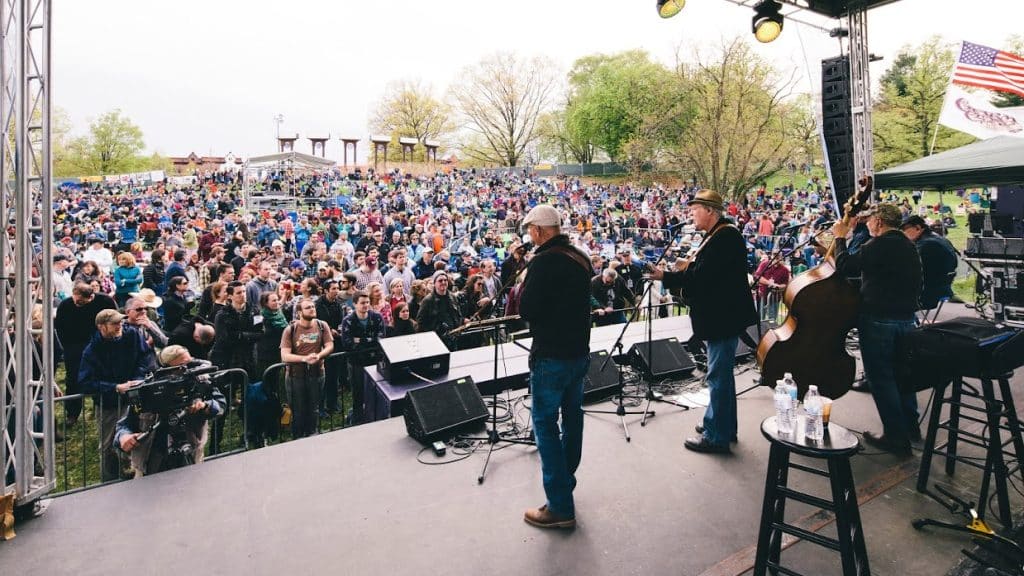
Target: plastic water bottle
x,y
783,408
793,394
813,428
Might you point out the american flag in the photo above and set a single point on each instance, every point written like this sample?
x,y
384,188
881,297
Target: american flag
x,y
986,67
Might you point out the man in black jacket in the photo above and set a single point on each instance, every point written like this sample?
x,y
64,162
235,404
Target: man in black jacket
x,y
556,302
329,309
721,307
890,285
609,293
75,326
938,261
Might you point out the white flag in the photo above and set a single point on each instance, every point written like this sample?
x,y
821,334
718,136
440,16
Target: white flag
x,y
972,114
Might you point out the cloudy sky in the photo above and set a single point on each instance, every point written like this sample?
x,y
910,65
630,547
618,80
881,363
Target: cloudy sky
x,y
210,75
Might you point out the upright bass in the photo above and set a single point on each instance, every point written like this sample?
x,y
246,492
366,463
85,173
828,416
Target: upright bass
x,y
823,306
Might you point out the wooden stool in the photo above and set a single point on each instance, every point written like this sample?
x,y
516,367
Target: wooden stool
x,y
835,448
984,407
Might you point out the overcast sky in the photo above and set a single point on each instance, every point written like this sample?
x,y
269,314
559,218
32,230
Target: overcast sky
x,y
210,75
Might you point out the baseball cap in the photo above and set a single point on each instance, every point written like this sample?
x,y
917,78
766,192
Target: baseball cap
x,y
543,215
108,316
298,264
889,214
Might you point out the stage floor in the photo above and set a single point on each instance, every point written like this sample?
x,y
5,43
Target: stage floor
x,y
356,501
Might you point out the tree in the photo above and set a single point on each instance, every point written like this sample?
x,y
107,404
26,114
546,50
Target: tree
x,y
742,125
409,109
500,100
561,141
1014,45
905,117
111,147
616,97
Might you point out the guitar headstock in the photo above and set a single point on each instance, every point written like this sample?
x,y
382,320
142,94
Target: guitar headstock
x,y
860,197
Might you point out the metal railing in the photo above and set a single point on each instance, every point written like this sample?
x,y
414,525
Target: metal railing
x,y
80,460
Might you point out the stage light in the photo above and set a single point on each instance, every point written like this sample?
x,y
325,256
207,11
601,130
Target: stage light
x,y
767,22
669,8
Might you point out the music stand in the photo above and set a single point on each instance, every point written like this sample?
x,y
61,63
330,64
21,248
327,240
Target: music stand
x,y
493,437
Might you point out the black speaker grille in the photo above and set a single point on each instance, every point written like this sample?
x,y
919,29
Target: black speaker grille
x,y
669,357
837,124
600,383
444,409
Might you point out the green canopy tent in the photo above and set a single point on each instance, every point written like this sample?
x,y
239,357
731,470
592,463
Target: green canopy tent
x,y
994,162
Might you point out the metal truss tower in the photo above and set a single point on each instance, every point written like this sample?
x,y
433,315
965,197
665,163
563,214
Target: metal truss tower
x,y
860,93
26,241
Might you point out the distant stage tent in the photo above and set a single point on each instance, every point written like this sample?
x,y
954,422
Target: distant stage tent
x,y
994,162
255,201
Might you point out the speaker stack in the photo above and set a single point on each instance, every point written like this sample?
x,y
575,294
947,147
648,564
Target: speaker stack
x,y
837,125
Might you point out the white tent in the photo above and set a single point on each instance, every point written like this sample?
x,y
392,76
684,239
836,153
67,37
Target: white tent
x,y
253,203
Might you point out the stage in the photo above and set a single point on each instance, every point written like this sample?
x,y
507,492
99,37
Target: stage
x,y
356,501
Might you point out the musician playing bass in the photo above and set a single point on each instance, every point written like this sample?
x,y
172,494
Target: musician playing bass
x,y
721,307
890,272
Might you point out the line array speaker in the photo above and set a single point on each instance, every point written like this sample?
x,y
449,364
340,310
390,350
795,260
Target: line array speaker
x,y
444,410
837,125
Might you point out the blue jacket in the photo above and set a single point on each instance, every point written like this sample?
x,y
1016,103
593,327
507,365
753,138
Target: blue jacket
x,y
107,363
127,279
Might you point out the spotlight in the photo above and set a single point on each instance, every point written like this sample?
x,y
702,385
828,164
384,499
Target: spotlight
x,y
767,22
669,8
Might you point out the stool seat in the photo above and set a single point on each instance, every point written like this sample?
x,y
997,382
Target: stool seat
x,y
838,441
836,448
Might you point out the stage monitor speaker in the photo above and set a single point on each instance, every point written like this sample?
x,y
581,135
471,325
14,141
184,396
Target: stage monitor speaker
x,y
444,410
600,384
670,358
743,349
837,125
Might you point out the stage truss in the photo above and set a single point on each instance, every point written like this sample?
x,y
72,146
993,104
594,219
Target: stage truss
x,y
26,354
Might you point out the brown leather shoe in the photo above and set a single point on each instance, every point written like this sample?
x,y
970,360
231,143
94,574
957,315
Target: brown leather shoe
x,y
544,518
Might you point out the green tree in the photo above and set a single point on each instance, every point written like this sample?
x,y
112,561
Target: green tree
x,y
410,109
112,146
906,114
743,120
615,98
500,100
1015,45
560,141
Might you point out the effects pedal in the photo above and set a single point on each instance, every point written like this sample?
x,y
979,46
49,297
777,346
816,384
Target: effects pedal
x,y
439,448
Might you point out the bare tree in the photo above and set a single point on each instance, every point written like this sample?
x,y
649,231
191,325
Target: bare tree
x,y
739,133
409,108
500,100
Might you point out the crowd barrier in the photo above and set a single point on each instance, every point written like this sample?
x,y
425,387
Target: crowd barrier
x,y
80,459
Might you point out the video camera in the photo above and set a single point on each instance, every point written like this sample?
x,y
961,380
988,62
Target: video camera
x,y
170,391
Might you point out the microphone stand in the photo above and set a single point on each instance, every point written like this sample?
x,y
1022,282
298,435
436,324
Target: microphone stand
x,y
620,410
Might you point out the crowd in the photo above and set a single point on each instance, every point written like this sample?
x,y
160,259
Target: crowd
x,y
189,267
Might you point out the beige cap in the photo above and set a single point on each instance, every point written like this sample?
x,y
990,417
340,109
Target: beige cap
x,y
543,215
109,316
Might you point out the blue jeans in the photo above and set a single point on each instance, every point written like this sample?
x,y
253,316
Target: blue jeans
x,y
720,417
897,411
557,386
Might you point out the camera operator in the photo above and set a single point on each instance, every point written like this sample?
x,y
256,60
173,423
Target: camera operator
x,y
116,359
149,453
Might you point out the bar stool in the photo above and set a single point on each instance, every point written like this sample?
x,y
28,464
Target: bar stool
x,y
835,448
967,403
